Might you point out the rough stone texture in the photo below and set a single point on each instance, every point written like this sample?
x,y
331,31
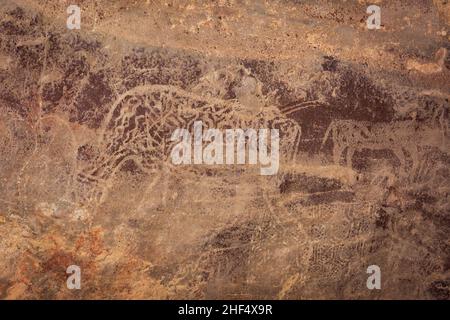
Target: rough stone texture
x,y
364,175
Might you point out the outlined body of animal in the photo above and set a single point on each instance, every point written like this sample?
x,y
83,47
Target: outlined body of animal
x,y
441,112
403,138
141,122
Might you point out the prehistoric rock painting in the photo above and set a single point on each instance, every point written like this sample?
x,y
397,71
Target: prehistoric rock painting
x,y
87,179
139,126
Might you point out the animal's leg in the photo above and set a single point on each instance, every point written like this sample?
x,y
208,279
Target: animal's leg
x,y
401,157
414,153
157,176
350,153
442,124
165,187
337,152
351,175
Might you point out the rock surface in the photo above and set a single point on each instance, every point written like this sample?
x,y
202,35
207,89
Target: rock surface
x,y
86,178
